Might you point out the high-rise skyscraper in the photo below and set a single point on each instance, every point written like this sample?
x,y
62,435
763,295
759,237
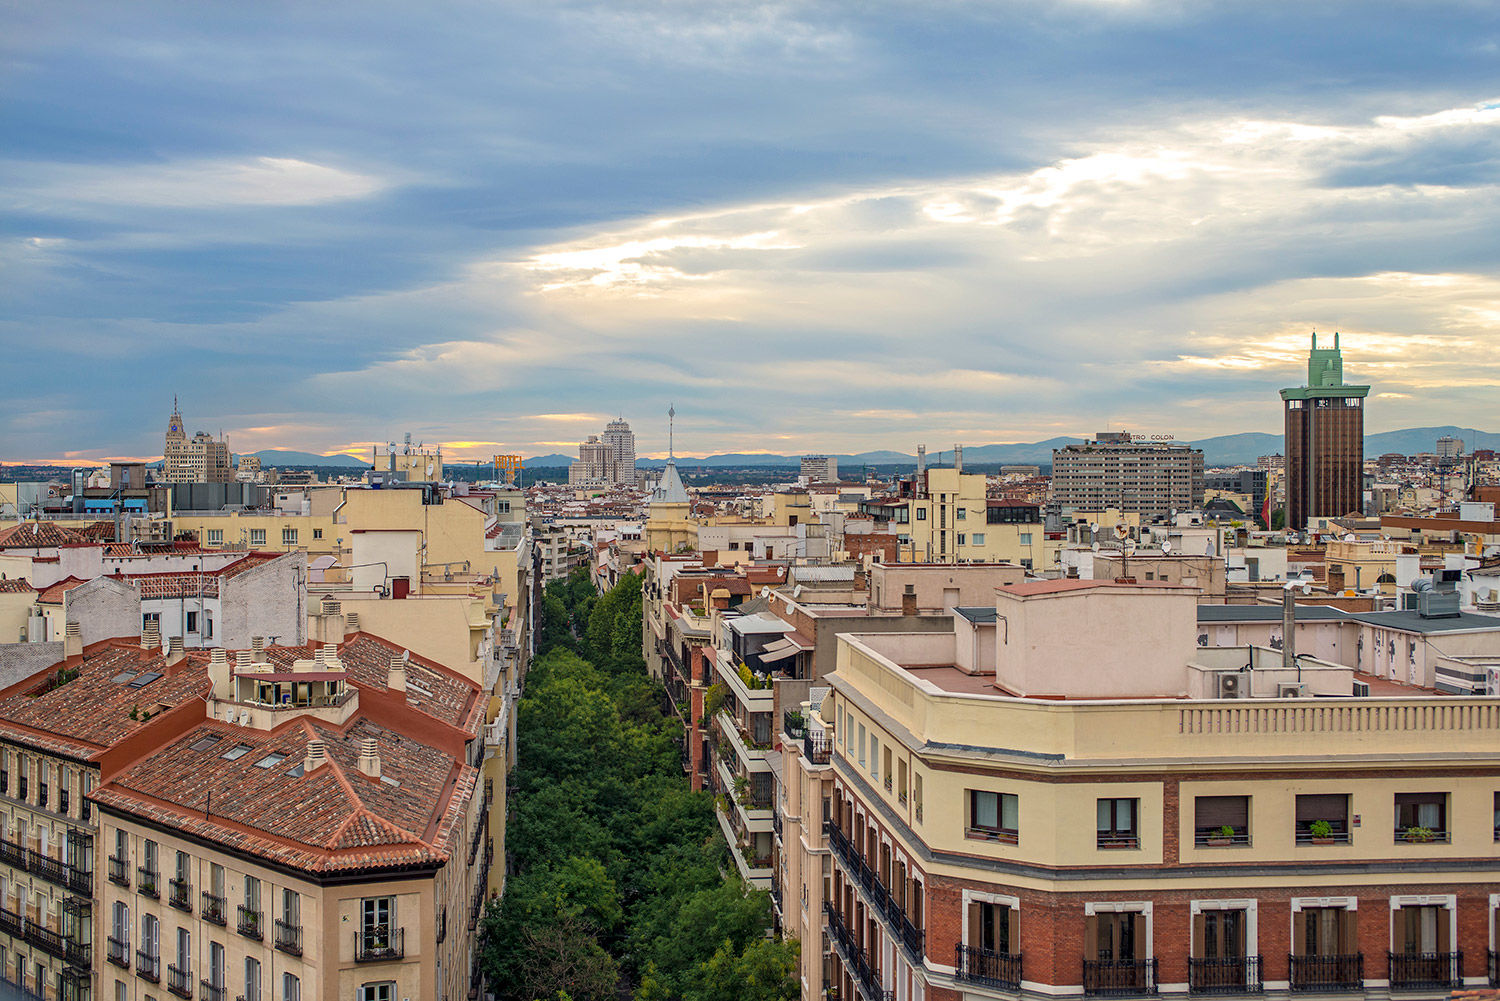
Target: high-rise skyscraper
x,y
621,442
1325,441
199,459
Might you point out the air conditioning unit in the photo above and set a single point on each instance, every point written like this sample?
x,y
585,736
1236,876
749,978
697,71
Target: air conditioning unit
x,y
1232,685
1291,691
1361,689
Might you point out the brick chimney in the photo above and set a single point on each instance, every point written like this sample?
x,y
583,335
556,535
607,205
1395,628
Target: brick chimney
x,y
909,600
174,650
317,756
72,641
369,758
150,635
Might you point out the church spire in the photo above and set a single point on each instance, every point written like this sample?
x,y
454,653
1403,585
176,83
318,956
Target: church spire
x,y
671,418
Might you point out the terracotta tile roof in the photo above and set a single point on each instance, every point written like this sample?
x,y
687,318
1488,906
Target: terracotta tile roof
x,y
92,712
15,585
40,535
332,819
1030,587
172,584
53,594
99,531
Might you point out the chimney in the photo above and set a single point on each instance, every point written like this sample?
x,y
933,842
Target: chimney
x,y
328,625
921,461
242,660
258,649
396,679
909,600
317,756
351,623
72,641
218,674
958,458
174,650
150,635
369,758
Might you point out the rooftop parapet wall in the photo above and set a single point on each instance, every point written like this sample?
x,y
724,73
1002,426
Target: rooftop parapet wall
x,y
1033,732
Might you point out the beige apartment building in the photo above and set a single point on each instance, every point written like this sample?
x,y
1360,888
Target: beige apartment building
x,y
1068,798
943,515
1151,477
199,459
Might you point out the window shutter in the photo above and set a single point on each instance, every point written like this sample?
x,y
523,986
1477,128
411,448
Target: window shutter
x,y
976,933
1142,943
1348,932
1301,928
1443,942
1222,811
1199,936
1330,807
1013,924
1091,936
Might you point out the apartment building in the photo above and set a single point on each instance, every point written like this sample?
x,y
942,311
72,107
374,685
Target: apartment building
x,y
1151,478
943,515
199,459
1066,797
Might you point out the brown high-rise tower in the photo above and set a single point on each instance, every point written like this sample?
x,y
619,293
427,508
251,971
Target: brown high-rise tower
x,y
1325,441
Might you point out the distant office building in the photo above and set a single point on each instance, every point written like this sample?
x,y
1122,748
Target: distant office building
x,y
199,459
414,463
1148,478
820,469
1325,441
593,465
1449,448
1251,482
1271,463
621,442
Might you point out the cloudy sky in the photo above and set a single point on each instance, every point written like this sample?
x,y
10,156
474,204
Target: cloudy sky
x,y
816,226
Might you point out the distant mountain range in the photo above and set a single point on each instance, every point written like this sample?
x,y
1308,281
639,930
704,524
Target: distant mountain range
x,y
1222,450
278,457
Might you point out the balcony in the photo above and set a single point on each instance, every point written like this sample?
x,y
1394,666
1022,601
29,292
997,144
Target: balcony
x,y
44,938
1217,837
816,747
1421,971
751,756
117,952
180,982
883,903
212,992
147,966
119,871
214,909
78,954
288,937
794,723
757,872
12,854
1421,836
249,922
1327,973
987,968
12,923
864,972
180,894
1224,975
148,882
379,944
1119,977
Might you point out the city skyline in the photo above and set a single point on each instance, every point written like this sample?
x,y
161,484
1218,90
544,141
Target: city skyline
x,y
813,229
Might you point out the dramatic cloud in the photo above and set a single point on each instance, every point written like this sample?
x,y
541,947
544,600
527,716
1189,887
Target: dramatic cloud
x,y
809,226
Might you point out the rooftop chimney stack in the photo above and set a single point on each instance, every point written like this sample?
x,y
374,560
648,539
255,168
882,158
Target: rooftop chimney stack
x,y
909,600
317,756
1288,629
174,650
218,674
351,623
150,635
72,641
258,649
396,679
369,758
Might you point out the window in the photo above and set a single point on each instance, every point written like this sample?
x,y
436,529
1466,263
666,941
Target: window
x,y
216,965
192,622
235,752
992,929
215,537
252,893
120,922
317,533
148,618
288,536
1221,820
1322,818
257,536
962,539
376,922
900,781
184,950
1421,816
1117,823
993,816
1025,538
916,795
1115,936
291,907
1324,931
1220,934
959,514
874,757
861,745
252,980
378,992
977,538
271,760
291,988
921,514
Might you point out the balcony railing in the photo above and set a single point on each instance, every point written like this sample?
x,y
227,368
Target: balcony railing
x,y
180,894
249,922
12,923
212,992
794,723
41,795
1327,973
864,971
1224,975
379,944
288,937
119,871
991,969
883,902
1425,970
62,801
1339,836
78,954
214,909
179,982
1119,977
117,951
44,938
12,854
1213,837
1421,836
147,966
148,881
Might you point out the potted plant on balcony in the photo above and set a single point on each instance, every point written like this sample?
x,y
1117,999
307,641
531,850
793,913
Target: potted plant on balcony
x,y
1417,834
1321,832
1221,836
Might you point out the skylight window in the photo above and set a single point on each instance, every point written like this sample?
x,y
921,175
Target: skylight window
x,y
298,771
270,761
142,680
236,752
204,743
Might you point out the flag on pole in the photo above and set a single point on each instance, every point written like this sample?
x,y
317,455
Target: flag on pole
x,y
1265,511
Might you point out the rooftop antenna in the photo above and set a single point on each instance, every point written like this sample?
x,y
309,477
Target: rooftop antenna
x,y
671,417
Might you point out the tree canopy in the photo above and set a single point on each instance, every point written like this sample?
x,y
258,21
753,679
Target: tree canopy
x,y
621,876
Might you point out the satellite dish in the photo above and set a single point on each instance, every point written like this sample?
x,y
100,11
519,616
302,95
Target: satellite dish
x,y
1208,547
1094,527
764,590
1095,547
797,591
1121,531
1166,546
1174,514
